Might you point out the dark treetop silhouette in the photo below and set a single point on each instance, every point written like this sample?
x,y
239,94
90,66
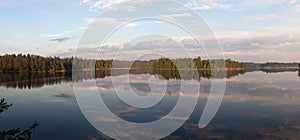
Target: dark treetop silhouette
x,y
15,134
34,63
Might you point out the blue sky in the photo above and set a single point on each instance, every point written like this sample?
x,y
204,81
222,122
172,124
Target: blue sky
x,y
257,30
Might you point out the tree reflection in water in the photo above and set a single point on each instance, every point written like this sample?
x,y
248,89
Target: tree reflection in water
x,y
38,80
15,134
4,105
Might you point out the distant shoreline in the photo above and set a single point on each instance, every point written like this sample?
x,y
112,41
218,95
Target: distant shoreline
x,y
37,64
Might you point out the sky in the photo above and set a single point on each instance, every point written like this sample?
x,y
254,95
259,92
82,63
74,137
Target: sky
x,y
256,30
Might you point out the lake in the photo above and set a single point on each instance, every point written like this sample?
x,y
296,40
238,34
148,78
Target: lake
x,y
256,105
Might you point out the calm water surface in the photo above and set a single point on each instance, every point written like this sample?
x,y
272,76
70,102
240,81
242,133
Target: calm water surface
x,y
256,105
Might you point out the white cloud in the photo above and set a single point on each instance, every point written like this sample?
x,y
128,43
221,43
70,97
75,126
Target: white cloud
x,y
293,1
102,21
111,4
18,35
261,46
241,46
207,4
274,1
262,17
127,5
281,1
82,28
89,20
131,25
172,17
51,35
297,9
85,1
253,3
104,4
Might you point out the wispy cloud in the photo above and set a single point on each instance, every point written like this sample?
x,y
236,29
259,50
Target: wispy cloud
x,y
18,35
51,35
131,25
257,47
297,9
262,17
102,21
207,4
88,20
261,47
120,5
82,28
104,4
174,16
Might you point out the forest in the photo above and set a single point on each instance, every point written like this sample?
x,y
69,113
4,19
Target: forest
x,y
35,63
282,66
196,64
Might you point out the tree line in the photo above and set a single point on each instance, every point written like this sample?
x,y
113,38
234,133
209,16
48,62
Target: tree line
x,y
35,63
276,65
197,64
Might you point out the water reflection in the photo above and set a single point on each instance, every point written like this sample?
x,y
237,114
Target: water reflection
x,y
15,134
256,105
32,80
279,70
4,105
38,80
195,74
